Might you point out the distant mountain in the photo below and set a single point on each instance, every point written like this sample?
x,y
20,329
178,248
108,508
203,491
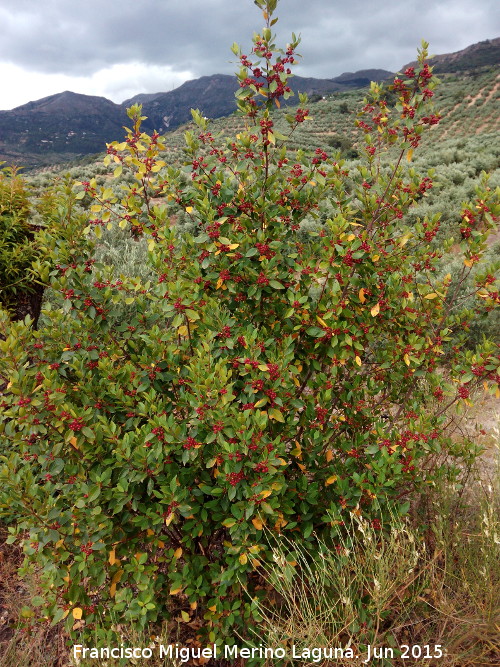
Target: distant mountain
x,y
214,96
64,126
59,127
68,125
482,54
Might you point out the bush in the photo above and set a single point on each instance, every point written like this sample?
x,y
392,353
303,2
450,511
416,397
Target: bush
x,y
264,380
19,291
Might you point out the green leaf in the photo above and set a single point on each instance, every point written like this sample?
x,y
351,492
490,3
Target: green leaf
x,y
315,331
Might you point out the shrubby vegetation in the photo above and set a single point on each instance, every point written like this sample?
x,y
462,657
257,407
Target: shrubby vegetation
x,y
284,364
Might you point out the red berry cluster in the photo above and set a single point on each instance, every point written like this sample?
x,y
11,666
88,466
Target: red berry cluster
x,y
235,477
77,424
86,548
191,443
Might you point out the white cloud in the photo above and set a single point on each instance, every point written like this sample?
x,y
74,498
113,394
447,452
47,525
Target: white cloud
x,y
117,83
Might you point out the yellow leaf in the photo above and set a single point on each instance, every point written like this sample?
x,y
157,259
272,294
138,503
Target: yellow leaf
x,y
257,523
77,613
112,590
431,296
220,282
331,480
447,277
185,616
178,553
193,605
189,209
468,262
213,608
182,330
409,155
358,360
160,544
151,245
351,237
323,324
329,455
375,310
112,557
233,246
361,295
375,258
174,591
407,359
277,102
266,493
169,519
277,415
243,559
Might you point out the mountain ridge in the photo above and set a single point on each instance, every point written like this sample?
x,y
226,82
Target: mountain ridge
x,y
67,125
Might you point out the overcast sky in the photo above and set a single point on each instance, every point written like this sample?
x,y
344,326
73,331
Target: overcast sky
x,y
117,48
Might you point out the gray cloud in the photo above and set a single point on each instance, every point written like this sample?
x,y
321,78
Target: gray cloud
x,y
78,39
